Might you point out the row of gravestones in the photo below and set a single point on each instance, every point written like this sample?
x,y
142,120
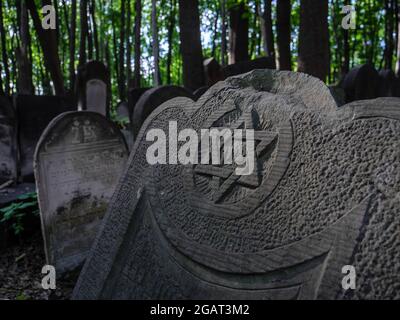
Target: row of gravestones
x,y
143,101
23,118
78,162
365,82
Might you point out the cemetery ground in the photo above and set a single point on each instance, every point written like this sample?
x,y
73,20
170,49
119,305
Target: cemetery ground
x,y
21,265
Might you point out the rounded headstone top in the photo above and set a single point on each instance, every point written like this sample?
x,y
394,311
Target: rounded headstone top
x,y
6,108
152,99
361,83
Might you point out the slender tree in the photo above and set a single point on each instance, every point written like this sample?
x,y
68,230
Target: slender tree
x,y
239,33
171,28
223,32
138,24
191,50
283,32
156,46
72,40
314,38
121,62
267,29
4,54
83,33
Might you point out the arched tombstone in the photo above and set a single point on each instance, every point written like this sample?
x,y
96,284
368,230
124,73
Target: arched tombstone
x,y
322,195
152,99
134,94
8,142
34,113
94,88
123,110
387,83
361,83
78,162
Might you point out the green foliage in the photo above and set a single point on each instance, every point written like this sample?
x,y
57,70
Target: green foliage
x,y
16,212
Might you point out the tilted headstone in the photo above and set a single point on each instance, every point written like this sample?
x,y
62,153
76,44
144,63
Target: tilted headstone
x,y
361,83
199,92
134,94
213,71
78,162
34,113
94,88
8,142
152,99
324,195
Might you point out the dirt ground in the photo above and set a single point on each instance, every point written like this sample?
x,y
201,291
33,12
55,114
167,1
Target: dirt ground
x,y
21,277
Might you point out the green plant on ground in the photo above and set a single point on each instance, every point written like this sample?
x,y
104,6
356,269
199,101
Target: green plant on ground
x,y
15,213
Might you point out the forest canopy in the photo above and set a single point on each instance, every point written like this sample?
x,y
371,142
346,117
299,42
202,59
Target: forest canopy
x,y
143,41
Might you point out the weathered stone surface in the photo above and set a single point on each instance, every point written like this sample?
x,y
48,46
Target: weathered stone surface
x,y
8,141
327,196
34,113
361,83
152,99
78,162
94,88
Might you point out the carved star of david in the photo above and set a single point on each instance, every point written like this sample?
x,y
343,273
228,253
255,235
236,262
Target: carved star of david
x,y
223,177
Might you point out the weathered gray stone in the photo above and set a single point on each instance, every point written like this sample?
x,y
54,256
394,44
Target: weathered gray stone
x,y
123,110
78,162
327,196
94,88
199,92
361,83
8,142
34,113
151,99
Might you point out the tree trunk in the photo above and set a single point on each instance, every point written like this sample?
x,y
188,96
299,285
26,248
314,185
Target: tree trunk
x,y
223,33
266,30
128,42
389,45
156,47
4,52
171,28
138,24
192,55
254,33
314,38
121,79
283,32
398,39
239,33
48,42
72,39
94,29
24,83
84,32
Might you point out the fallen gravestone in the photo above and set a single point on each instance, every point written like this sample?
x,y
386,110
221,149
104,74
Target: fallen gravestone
x,y
324,194
151,99
94,88
8,142
78,162
361,83
34,113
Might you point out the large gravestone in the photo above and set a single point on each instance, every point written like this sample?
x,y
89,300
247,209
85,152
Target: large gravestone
x,y
78,162
151,99
34,113
361,83
247,66
324,194
8,142
94,88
